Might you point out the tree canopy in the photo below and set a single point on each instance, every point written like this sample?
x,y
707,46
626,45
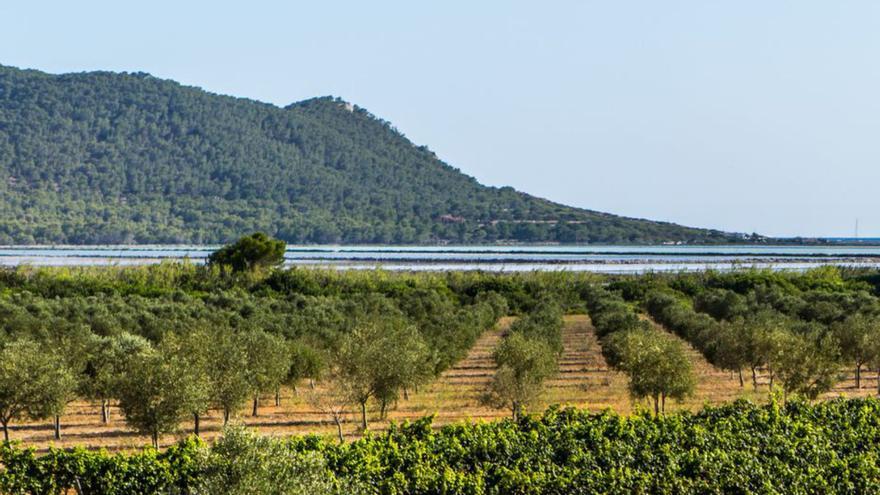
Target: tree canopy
x,y
250,252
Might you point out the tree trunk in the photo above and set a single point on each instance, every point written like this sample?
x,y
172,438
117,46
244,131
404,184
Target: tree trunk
x,y
364,415
225,416
256,403
6,423
105,418
277,397
405,394
196,424
858,376
656,405
57,427
741,382
770,370
754,378
339,429
155,438
663,403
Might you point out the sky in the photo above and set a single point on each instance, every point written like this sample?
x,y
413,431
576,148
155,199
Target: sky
x,y
747,116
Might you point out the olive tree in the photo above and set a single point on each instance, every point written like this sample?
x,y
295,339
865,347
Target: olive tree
x,y
191,352
810,364
155,393
227,362
730,351
75,345
855,336
306,361
379,358
268,363
108,363
330,398
656,364
35,383
523,365
244,463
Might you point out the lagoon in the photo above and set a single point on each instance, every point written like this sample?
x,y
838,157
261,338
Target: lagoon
x,y
595,258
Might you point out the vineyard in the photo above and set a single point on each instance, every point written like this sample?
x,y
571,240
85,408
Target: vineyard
x,y
738,448
665,376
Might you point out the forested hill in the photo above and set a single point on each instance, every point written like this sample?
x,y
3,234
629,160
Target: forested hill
x,y
128,158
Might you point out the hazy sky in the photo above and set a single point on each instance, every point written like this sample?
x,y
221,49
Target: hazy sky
x,y
741,115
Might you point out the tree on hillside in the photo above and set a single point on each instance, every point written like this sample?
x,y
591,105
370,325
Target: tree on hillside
x,y
35,383
250,252
855,335
523,365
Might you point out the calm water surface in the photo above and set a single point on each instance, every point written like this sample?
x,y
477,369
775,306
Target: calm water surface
x,y
610,259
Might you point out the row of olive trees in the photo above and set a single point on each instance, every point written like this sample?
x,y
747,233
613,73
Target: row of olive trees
x,y
803,357
156,386
526,358
851,321
656,363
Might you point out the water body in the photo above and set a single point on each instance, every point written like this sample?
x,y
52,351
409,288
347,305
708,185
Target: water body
x,y
606,259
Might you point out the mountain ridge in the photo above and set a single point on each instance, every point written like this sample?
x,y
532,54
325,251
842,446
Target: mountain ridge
x,y
104,157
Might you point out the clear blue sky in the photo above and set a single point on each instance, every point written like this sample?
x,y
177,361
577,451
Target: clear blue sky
x,y
741,115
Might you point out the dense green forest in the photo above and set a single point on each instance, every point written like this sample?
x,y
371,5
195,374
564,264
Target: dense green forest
x,y
128,158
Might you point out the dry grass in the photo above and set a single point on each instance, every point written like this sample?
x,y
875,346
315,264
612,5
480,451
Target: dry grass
x,y
584,381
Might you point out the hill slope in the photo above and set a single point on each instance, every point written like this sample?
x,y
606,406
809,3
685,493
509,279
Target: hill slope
x,y
124,158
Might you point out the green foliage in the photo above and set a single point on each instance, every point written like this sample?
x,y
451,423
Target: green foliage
x,y
808,364
156,393
523,365
268,362
228,375
242,463
544,323
378,359
737,448
657,365
129,158
108,364
176,470
35,383
250,252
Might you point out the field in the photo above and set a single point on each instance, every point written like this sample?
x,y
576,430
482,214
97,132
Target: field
x,y
584,381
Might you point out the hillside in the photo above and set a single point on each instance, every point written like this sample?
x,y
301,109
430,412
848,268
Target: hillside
x,y
128,158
